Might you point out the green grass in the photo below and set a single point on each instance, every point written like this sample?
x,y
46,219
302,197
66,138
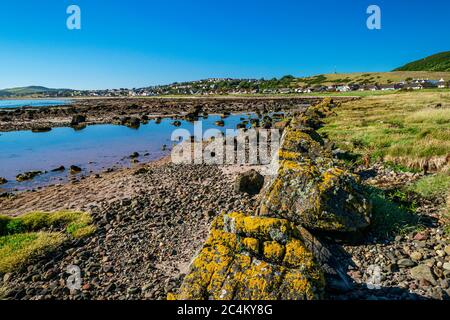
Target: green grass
x,y
406,129
389,217
432,186
20,249
75,223
27,237
436,62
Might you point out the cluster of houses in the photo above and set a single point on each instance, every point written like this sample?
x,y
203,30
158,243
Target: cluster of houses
x,y
415,84
218,86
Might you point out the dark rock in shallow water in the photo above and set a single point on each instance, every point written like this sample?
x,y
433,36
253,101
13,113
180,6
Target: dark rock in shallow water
x,y
250,182
61,168
131,122
26,176
77,119
134,155
75,169
41,129
176,123
193,113
3,180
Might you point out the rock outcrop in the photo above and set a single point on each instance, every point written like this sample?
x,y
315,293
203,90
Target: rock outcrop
x,y
257,258
267,256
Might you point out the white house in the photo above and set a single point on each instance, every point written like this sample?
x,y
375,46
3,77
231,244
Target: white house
x,y
441,84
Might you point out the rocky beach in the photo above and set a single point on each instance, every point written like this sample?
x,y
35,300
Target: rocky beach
x,y
153,219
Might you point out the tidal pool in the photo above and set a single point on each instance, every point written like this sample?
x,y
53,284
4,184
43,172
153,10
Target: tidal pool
x,y
14,104
93,149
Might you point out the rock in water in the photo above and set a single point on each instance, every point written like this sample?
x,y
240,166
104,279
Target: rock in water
x,y
257,258
131,122
41,129
75,169
77,119
3,181
26,176
250,182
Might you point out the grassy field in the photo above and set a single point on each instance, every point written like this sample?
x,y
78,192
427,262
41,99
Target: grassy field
x,y
408,131
411,129
371,77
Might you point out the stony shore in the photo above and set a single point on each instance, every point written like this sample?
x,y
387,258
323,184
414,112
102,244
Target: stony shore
x,y
150,222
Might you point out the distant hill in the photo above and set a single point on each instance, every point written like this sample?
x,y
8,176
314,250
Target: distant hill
x,y
29,91
437,62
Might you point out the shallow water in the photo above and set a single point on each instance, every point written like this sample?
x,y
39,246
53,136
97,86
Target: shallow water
x,y
94,149
13,104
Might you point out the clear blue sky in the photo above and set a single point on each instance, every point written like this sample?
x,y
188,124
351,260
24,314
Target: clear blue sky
x,y
137,43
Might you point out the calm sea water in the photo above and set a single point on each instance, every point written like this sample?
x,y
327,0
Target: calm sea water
x,y
32,103
94,148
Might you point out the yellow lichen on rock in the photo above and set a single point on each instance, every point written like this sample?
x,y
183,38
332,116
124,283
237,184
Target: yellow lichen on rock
x,y
263,257
251,245
225,269
297,255
273,251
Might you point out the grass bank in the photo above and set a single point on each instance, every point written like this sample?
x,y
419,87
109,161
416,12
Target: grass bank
x,y
25,238
409,131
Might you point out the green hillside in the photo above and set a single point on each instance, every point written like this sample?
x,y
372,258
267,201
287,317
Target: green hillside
x,y
27,91
437,62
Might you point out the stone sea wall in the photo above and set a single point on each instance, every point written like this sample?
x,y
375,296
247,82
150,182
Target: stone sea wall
x,y
265,256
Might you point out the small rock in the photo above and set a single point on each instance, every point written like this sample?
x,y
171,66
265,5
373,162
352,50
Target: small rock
x,y
250,182
405,263
7,277
447,250
416,256
75,169
440,253
134,155
421,236
423,272
446,266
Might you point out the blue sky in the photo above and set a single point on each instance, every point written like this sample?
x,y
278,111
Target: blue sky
x,y
137,43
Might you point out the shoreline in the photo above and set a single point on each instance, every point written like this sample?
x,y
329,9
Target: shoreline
x,y
117,110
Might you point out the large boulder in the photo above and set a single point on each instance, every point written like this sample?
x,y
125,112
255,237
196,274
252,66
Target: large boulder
x,y
322,199
3,181
256,258
250,182
311,188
